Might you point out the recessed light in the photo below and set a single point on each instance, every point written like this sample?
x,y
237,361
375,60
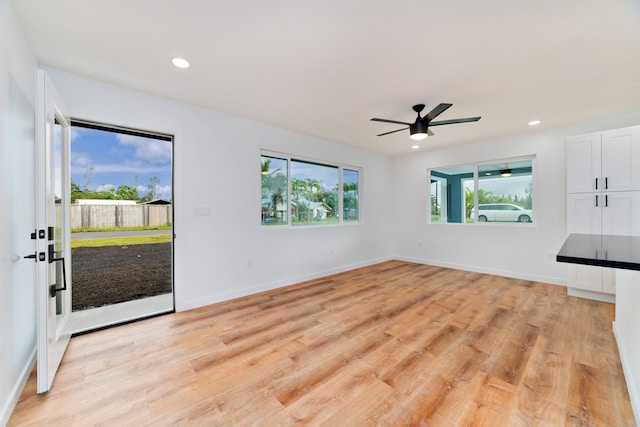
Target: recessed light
x,y
534,122
180,62
415,147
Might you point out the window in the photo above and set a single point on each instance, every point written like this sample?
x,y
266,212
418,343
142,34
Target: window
x,y
448,193
350,195
496,192
274,172
300,192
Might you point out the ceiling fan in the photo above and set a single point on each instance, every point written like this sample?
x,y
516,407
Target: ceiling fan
x,y
419,129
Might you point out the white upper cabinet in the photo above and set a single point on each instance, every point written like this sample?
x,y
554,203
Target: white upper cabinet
x,y
621,159
583,162
604,161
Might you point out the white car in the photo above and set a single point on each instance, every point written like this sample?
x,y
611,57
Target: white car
x,y
503,212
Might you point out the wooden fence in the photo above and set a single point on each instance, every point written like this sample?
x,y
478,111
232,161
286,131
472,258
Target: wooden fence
x,y
117,216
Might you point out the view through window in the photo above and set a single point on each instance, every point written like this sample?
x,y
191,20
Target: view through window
x,y
497,192
301,192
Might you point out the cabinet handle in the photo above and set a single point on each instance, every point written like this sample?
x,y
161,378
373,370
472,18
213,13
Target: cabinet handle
x,y
596,200
596,183
606,182
606,201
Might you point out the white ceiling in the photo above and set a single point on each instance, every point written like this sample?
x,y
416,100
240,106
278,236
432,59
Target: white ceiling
x,y
325,67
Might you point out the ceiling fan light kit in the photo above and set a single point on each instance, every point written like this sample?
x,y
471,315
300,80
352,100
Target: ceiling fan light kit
x,y
419,129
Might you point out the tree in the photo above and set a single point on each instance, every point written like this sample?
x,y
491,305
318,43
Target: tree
x,y
274,189
88,177
484,197
299,189
152,190
127,192
264,166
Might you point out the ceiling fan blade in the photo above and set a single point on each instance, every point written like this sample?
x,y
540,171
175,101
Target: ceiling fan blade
x,y
430,133
389,121
453,121
436,111
393,131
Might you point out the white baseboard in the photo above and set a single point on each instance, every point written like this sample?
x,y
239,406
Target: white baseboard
x,y
12,400
634,394
477,269
573,292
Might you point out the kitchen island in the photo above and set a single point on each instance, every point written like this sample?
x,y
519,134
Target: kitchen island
x,y
621,253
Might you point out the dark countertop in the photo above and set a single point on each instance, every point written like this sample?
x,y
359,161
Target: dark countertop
x,y
601,250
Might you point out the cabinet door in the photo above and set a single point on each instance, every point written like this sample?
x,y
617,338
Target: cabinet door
x,y
621,213
585,277
584,214
583,163
621,159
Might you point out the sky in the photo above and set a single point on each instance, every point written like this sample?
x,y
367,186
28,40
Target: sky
x,y
327,175
514,185
103,160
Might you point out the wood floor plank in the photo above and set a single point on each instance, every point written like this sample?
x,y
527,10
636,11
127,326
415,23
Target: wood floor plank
x,y
395,343
489,396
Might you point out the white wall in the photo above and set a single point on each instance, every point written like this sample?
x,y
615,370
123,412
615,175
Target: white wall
x,y
513,250
217,163
627,334
17,148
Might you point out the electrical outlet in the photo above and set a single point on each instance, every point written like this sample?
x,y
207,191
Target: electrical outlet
x,y
202,211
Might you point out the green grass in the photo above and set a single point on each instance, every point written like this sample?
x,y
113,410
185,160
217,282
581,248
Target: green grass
x,y
89,230
121,241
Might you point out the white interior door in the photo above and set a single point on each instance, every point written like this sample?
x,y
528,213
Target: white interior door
x,y
54,238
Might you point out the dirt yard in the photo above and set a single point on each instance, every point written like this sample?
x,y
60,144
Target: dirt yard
x,y
112,274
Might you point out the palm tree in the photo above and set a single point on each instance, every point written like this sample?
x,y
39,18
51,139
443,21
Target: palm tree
x,y
274,189
484,197
299,188
314,187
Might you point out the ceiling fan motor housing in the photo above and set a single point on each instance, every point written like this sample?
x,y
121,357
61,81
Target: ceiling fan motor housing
x,y
418,127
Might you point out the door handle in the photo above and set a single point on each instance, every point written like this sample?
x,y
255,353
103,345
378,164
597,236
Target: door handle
x,y
34,256
53,288
52,258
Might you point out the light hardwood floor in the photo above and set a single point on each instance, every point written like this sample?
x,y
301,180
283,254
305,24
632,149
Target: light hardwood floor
x,y
391,344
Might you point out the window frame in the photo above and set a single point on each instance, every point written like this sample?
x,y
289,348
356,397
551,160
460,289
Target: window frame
x,y
476,166
339,210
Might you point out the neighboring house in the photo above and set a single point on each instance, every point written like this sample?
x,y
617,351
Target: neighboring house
x,y
156,202
318,210
306,210
267,211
